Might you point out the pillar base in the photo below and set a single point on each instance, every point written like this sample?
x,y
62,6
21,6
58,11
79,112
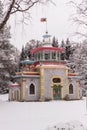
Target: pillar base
x,y
42,99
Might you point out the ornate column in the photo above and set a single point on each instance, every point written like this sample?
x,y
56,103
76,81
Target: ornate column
x,y
59,57
77,89
67,83
41,84
23,89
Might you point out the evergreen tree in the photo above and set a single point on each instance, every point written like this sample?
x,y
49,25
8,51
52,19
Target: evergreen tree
x,y
68,49
1,12
28,48
31,45
80,60
62,45
38,43
8,54
23,54
55,42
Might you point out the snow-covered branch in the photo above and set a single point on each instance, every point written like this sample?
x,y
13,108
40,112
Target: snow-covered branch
x,y
22,6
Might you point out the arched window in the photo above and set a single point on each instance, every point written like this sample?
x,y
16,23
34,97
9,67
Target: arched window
x,y
32,89
70,89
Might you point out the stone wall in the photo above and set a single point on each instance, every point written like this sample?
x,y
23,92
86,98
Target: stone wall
x,y
36,83
48,75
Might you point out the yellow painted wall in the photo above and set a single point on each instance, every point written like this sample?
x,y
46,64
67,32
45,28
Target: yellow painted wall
x,y
42,83
67,83
78,89
23,89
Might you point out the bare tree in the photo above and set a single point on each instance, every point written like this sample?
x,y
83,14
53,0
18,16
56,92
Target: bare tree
x,y
80,17
19,6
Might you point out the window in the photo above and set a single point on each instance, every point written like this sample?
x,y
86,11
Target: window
x,y
41,55
38,55
47,56
53,55
32,89
35,56
70,89
58,55
56,80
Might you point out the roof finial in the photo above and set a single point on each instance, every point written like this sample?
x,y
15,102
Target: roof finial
x,y
46,32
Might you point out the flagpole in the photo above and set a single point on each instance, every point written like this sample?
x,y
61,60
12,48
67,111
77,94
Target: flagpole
x,y
46,27
45,21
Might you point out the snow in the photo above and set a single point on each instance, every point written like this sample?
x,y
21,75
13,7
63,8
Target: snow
x,y
42,115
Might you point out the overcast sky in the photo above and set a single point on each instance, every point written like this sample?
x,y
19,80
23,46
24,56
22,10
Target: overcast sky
x,y
59,23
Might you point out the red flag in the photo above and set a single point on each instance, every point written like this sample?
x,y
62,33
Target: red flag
x,y
43,19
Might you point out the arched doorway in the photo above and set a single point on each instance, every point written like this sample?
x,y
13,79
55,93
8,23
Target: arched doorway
x,y
56,92
56,88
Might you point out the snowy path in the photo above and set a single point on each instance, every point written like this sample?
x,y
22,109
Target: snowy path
x,y
39,115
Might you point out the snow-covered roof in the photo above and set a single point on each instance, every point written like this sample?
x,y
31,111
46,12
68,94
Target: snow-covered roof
x,y
26,76
14,85
52,66
75,77
46,36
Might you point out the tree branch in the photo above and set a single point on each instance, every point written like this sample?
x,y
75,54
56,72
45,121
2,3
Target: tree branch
x,y
81,34
19,9
81,16
22,6
5,19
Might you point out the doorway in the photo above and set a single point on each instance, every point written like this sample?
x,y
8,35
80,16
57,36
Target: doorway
x,y
56,92
56,81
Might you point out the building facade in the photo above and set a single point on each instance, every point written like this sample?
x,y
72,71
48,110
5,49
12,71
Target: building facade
x,y
46,77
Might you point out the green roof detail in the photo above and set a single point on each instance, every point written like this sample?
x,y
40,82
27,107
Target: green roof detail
x,y
27,62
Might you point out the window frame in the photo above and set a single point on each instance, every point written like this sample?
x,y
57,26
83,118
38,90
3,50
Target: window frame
x,y
53,55
59,79
71,91
30,91
47,55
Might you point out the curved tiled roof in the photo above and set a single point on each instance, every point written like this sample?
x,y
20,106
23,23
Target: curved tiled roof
x,y
27,62
47,48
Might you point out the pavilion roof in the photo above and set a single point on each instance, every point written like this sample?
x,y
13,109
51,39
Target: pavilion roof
x,y
47,48
14,85
27,62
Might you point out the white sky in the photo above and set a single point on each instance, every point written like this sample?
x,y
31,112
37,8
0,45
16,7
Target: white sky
x,y
59,23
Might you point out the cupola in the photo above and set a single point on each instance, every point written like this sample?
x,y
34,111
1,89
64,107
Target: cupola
x,y
47,40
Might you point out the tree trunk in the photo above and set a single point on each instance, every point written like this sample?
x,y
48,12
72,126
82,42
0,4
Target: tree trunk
x,y
5,19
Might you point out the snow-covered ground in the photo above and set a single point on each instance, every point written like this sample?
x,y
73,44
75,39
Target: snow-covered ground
x,y
41,115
